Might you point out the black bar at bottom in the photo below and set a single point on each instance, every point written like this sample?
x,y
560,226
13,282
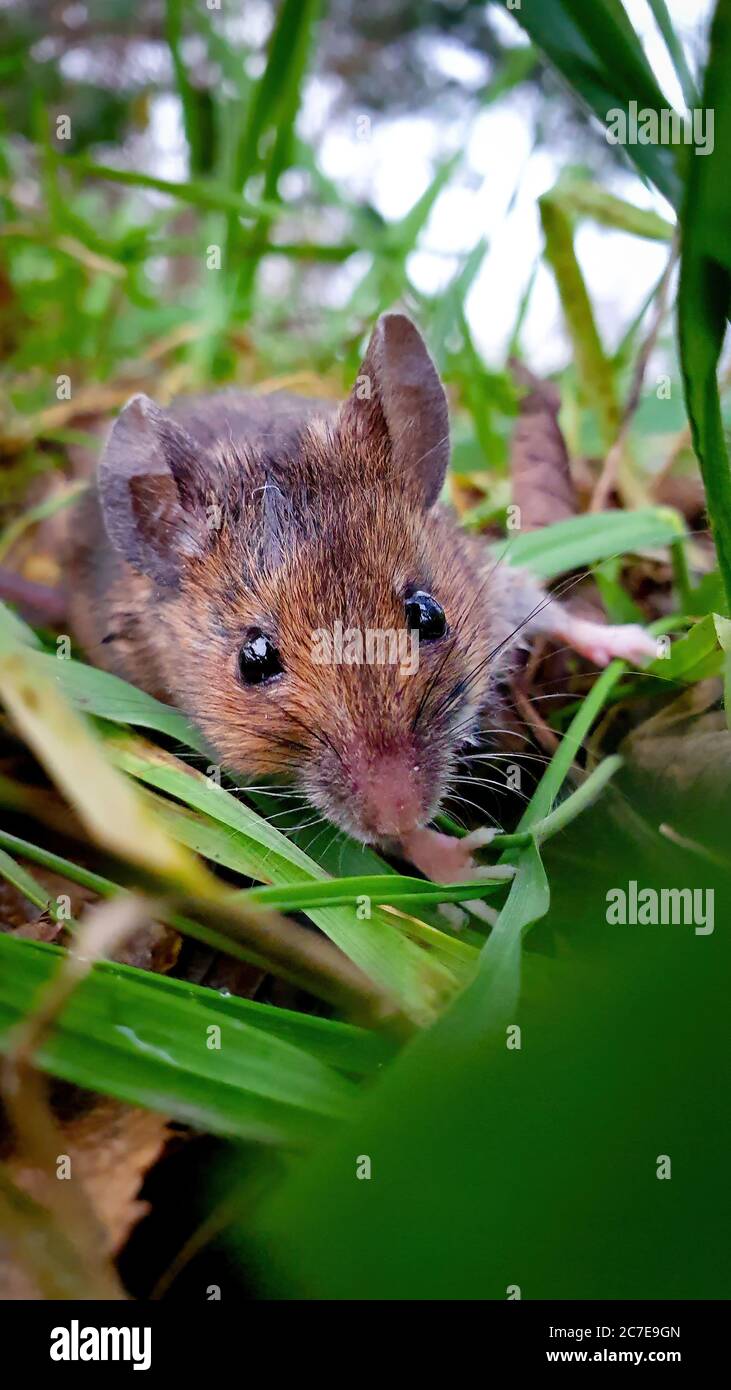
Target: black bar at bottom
x,y
157,1339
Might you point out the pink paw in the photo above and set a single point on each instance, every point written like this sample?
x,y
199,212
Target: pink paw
x,y
445,859
600,643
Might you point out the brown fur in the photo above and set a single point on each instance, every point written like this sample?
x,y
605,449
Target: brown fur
x,y
319,522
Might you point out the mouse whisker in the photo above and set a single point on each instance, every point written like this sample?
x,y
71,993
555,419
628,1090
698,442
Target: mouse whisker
x,y
504,757
490,782
271,815
305,825
431,683
477,670
510,732
267,791
327,825
465,801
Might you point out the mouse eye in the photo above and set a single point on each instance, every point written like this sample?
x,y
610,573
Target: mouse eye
x,y
424,614
259,659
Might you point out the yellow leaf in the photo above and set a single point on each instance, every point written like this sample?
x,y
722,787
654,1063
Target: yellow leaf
x,y
111,808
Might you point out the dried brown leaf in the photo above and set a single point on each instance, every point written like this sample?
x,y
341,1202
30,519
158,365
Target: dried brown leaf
x,y
543,487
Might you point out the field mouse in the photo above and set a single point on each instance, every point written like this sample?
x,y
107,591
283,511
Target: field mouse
x,y
230,538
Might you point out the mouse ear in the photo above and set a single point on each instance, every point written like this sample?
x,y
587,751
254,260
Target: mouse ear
x,y
152,504
398,394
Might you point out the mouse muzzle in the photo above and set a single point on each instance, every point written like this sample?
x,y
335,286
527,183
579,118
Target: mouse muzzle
x,y
388,796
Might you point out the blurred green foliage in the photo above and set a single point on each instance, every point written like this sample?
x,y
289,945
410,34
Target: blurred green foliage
x,y
490,1167
494,1165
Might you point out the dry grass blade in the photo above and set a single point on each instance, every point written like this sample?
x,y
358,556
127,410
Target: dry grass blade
x,y
611,471
73,1223
110,808
543,488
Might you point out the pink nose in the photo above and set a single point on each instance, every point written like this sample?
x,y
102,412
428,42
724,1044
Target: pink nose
x,y
387,793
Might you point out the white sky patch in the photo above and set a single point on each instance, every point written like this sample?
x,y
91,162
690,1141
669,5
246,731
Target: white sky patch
x,y
686,15
394,167
507,28
147,61
390,161
251,25
452,59
319,95
171,156
74,16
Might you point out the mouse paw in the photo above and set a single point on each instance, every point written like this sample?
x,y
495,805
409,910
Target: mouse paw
x,y
458,917
454,915
445,859
601,643
478,839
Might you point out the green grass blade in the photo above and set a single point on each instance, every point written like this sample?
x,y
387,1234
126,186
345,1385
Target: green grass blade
x,y
560,765
40,512
593,365
704,296
343,1045
417,980
108,697
273,108
584,198
14,873
694,657
256,849
675,49
590,538
208,196
174,12
596,50
13,630
152,1047
282,75
723,630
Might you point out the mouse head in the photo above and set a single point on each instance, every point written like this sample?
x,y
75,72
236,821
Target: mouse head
x,y
323,618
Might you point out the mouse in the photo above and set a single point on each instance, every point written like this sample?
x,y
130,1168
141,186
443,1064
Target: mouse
x,y
284,571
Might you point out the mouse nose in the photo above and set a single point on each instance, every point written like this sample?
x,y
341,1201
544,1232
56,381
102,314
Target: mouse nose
x,y
387,788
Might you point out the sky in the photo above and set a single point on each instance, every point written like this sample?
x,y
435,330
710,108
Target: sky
x,y
390,161
506,179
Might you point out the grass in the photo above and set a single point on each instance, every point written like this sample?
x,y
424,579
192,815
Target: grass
x,y
413,1013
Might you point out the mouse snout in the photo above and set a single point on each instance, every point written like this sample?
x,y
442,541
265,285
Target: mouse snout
x,y
387,790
